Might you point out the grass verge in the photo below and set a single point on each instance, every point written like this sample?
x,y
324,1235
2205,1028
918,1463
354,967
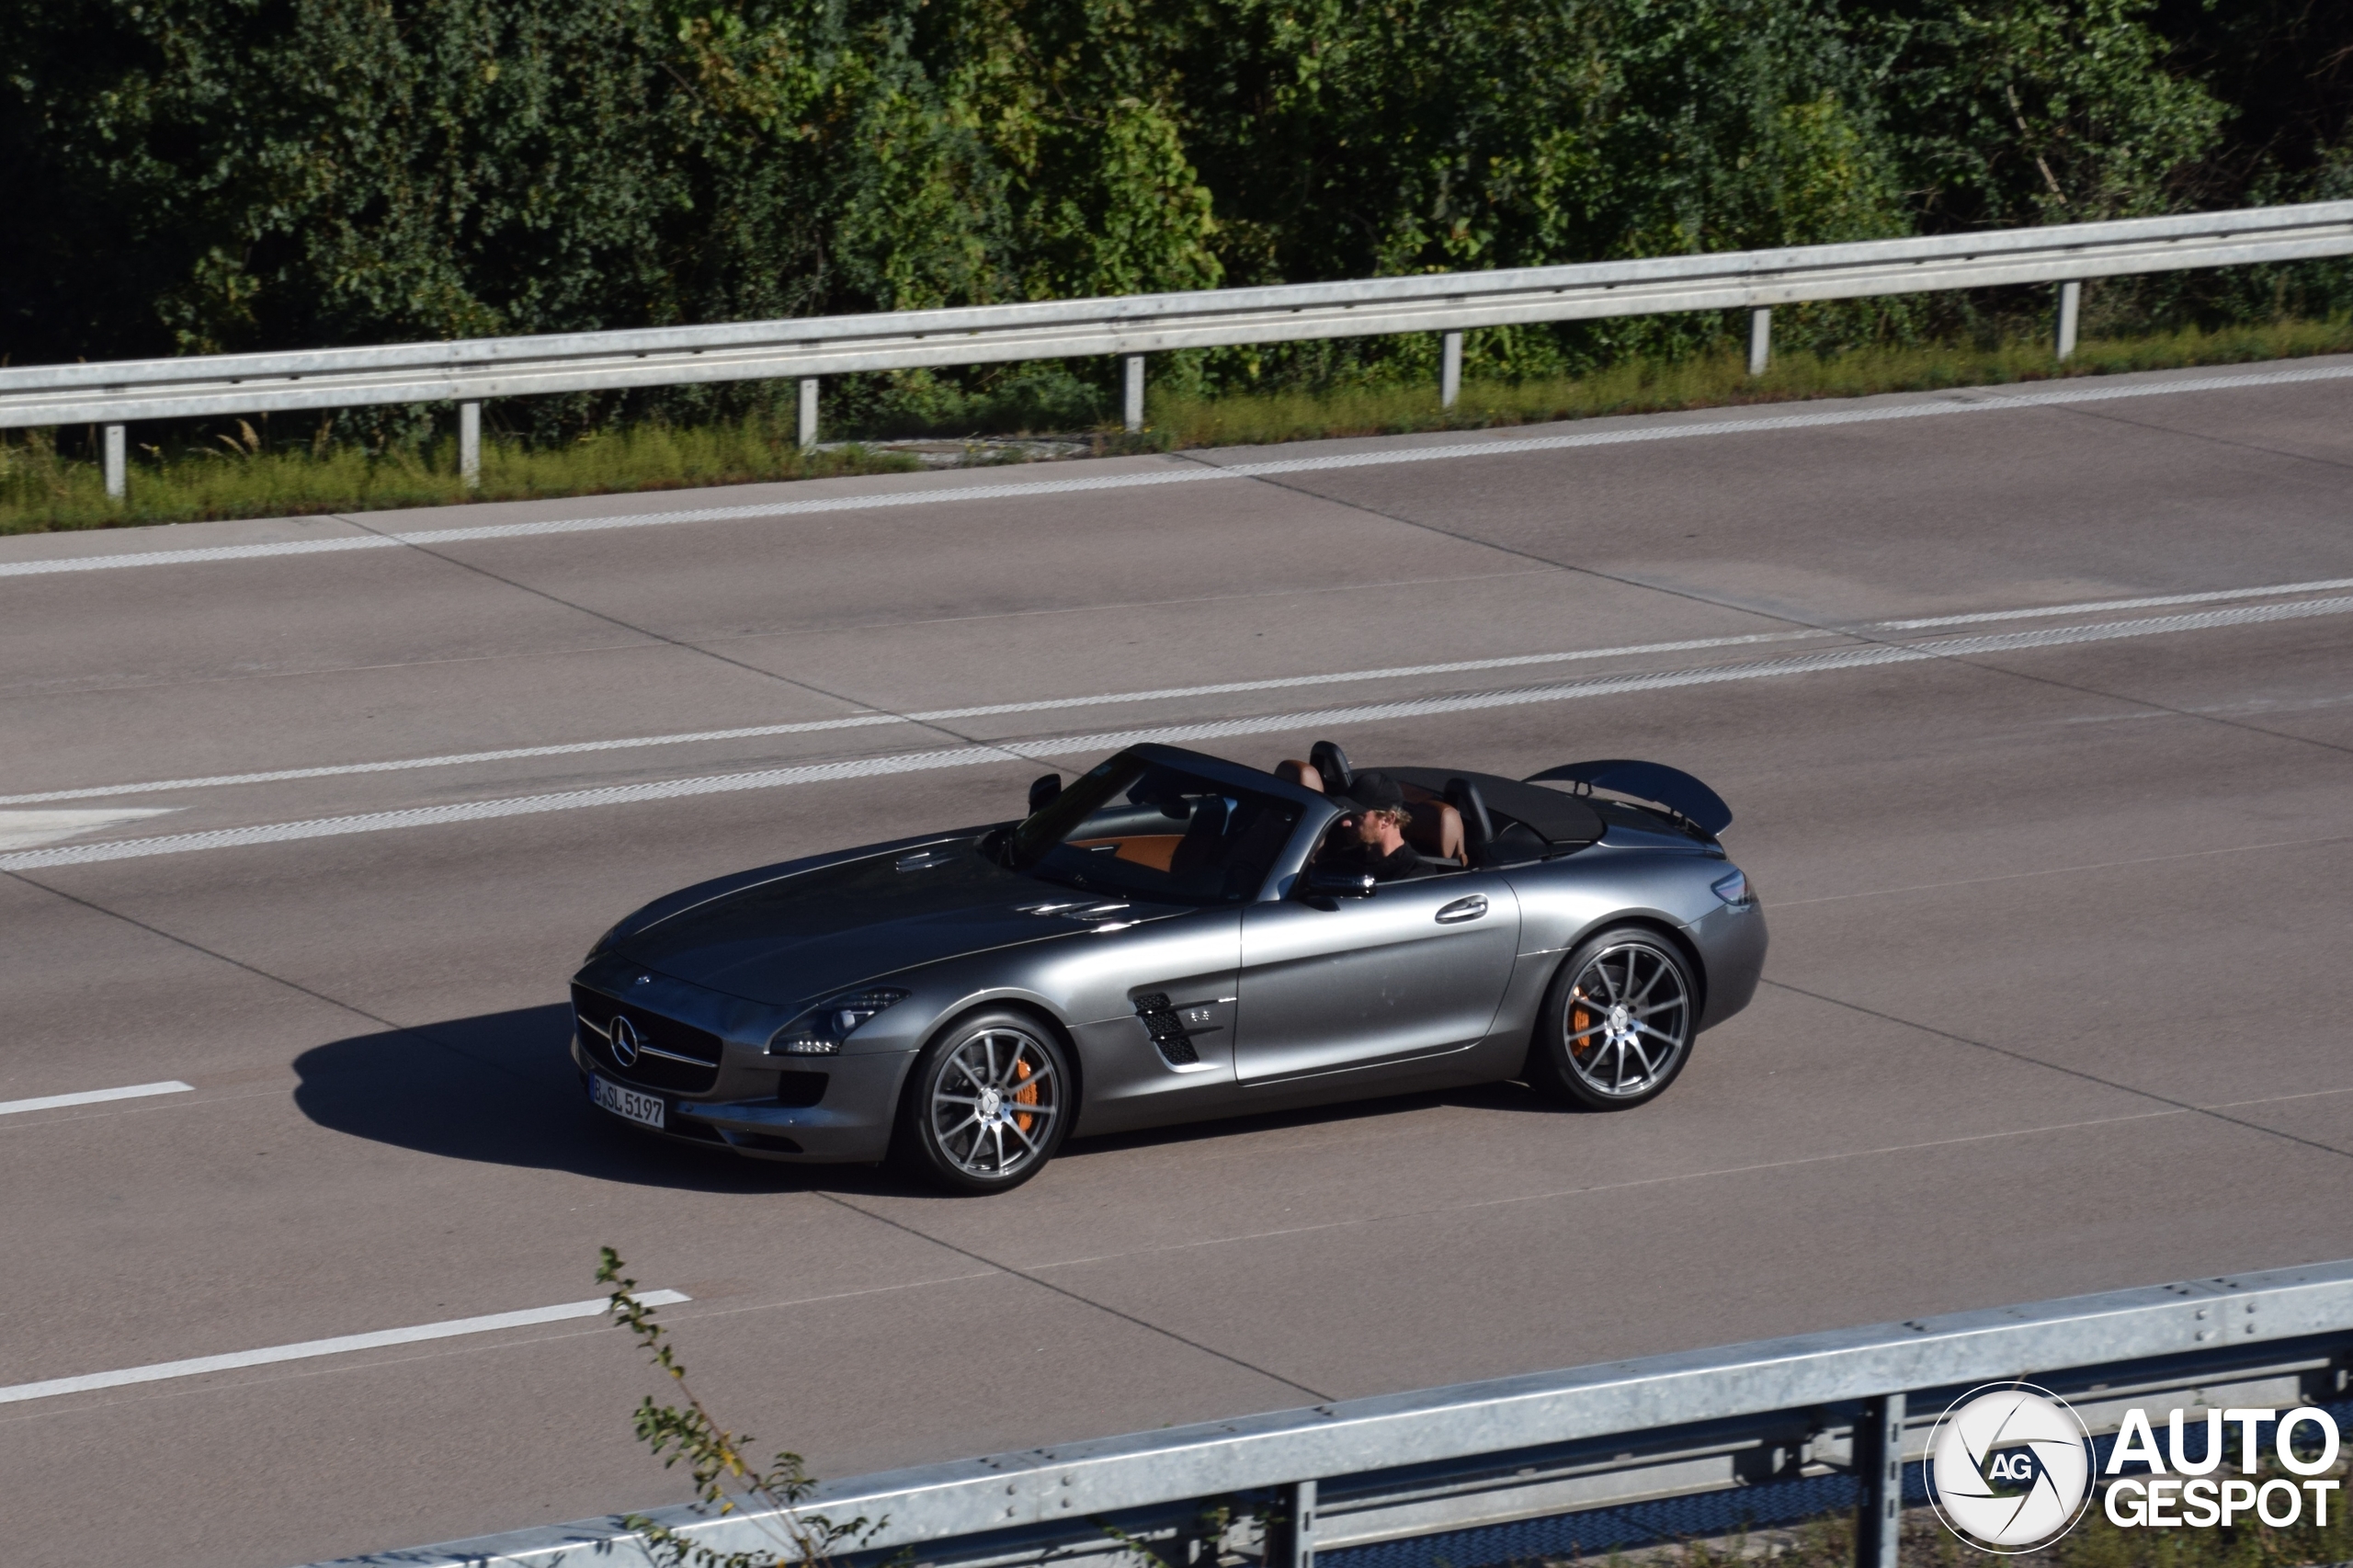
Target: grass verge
x,y
1717,382
42,490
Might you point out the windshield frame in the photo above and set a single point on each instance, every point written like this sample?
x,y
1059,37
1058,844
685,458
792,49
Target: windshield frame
x,y
1028,842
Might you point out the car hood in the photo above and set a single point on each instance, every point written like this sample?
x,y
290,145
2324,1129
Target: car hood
x,y
797,938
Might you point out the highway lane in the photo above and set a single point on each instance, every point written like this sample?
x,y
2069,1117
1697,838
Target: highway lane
x,y
2055,1000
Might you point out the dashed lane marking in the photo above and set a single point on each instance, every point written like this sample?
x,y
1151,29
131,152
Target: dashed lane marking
x,y
1113,699
1064,745
96,1096
196,1366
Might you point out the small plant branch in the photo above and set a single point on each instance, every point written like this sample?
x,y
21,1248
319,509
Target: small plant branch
x,y
726,1481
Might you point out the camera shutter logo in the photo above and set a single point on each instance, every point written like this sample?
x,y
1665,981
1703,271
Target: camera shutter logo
x,y
624,1041
2010,1468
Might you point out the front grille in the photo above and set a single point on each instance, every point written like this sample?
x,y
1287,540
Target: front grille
x,y
671,1055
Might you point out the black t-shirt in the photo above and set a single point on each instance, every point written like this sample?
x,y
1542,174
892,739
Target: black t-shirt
x,y
1359,856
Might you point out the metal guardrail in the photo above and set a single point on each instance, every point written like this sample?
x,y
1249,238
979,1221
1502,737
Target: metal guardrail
x,y
470,370
1280,1487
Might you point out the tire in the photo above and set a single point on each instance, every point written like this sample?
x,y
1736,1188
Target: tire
x,y
1616,1025
987,1104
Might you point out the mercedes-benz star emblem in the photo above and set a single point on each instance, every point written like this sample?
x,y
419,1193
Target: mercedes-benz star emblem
x,y
624,1042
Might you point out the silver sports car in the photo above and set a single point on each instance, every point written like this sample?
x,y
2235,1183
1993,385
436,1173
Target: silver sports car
x,y
1175,937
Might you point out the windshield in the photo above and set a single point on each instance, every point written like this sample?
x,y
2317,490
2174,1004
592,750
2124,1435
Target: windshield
x,y
1145,830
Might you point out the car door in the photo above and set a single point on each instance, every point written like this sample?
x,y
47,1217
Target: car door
x,y
1415,969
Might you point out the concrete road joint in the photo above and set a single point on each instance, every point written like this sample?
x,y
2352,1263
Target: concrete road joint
x,y
1711,1173
1082,1299
1197,472
2184,1107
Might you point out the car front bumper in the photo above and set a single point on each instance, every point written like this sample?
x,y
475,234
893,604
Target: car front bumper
x,y
851,1121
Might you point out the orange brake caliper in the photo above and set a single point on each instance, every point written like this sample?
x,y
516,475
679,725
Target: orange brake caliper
x,y
1026,1094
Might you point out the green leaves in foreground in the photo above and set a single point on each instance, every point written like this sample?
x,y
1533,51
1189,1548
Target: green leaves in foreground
x,y
726,1481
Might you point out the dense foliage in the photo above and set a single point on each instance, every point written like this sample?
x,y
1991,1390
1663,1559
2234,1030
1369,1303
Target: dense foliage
x,y
184,175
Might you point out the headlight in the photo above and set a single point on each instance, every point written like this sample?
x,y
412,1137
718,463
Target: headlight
x,y
1734,890
820,1030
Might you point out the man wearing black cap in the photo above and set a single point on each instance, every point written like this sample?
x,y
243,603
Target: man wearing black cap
x,y
1373,838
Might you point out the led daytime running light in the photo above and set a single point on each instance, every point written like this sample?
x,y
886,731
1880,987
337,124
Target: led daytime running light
x,y
820,1030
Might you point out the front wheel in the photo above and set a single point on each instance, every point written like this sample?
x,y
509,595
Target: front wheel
x,y
987,1104
1617,1023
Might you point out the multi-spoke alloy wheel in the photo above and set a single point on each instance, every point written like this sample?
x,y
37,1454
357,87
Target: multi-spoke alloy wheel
x,y
1618,1023
989,1103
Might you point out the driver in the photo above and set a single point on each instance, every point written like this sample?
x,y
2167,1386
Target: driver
x,y
1373,837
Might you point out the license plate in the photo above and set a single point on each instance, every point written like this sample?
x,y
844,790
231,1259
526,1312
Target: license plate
x,y
641,1109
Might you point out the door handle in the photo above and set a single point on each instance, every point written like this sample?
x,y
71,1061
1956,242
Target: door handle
x,y
1463,909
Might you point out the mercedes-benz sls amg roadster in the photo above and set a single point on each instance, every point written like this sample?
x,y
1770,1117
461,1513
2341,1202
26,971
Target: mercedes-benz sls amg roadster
x,y
1170,937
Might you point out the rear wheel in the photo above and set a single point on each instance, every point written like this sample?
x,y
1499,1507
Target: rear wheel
x,y
1617,1022
987,1104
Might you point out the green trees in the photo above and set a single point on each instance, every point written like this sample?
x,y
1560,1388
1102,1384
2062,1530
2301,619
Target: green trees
x,y
202,175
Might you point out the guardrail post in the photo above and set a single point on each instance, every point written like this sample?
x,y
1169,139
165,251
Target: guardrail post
x,y
1450,369
1761,340
1291,1531
808,412
2071,300
469,445
117,465
1134,401
1879,1462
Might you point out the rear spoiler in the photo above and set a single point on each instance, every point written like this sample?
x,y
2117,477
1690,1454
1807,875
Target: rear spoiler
x,y
1651,781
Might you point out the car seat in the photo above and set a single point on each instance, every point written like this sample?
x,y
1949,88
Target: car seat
x,y
1332,765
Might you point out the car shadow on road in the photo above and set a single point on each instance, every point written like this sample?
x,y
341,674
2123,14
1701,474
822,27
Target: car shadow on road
x,y
500,1088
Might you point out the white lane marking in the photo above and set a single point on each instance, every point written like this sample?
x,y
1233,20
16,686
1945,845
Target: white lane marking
x,y
1064,745
868,720
195,1366
97,1097
2092,607
1991,401
1110,698
510,753
24,830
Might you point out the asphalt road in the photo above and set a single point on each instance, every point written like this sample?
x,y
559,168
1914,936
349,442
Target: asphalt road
x,y
2059,887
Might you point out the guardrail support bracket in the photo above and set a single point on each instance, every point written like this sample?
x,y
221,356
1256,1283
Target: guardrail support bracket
x,y
1761,340
1291,1531
118,465
1450,369
808,412
1134,400
1879,1462
469,445
2070,303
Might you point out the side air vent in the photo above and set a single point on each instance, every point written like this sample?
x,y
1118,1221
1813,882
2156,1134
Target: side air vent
x,y
1166,1030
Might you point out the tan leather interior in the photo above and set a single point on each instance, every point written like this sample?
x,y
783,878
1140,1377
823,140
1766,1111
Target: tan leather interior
x,y
1434,828
1153,850
1302,774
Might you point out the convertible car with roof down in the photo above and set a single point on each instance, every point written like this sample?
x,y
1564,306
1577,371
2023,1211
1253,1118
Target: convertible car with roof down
x,y
1174,937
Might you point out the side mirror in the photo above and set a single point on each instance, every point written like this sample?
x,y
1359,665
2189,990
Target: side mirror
x,y
1043,790
1326,882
